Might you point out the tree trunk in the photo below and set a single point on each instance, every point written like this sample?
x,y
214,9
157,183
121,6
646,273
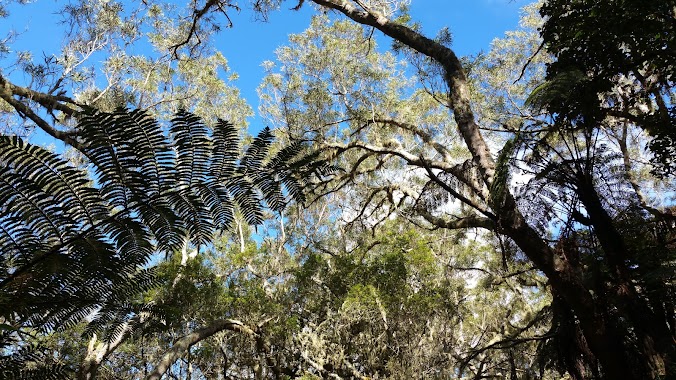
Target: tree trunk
x,y
652,332
594,323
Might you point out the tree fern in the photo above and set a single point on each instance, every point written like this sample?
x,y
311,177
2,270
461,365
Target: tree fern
x,y
75,243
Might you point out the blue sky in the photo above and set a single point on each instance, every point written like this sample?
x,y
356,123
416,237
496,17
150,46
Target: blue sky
x,y
473,23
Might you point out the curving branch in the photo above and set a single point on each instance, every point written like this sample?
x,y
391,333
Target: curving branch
x,y
512,339
197,16
457,195
459,171
410,158
426,137
50,102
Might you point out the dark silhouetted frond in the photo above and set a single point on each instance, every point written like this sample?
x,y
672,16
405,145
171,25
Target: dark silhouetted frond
x,y
31,363
225,150
76,244
258,151
190,138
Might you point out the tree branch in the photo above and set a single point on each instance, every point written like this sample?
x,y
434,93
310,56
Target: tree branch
x,y
459,223
458,97
97,353
8,91
459,171
424,135
181,346
457,195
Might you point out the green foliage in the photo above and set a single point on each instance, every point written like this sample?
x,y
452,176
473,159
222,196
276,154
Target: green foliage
x,y
610,37
613,58
184,286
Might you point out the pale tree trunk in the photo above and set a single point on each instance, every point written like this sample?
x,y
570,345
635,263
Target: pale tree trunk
x,y
240,235
187,254
97,352
563,279
282,234
182,346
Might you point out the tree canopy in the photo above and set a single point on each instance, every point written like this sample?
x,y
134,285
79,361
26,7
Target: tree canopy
x,y
413,213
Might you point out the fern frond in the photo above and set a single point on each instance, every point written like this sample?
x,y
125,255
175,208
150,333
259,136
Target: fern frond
x,y
132,240
32,363
216,198
25,202
246,198
190,140
257,151
75,249
225,150
550,92
158,216
194,215
64,183
115,165
277,172
145,137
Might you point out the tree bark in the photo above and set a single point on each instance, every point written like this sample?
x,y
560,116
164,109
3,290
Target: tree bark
x,y
653,334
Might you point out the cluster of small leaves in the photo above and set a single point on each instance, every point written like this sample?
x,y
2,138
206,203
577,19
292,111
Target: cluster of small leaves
x,y
610,37
75,248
